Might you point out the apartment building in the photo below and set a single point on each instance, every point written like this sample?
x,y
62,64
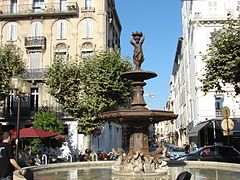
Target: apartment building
x,y
45,29
166,131
199,115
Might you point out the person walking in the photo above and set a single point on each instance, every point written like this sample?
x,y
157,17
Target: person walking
x,y
7,161
186,148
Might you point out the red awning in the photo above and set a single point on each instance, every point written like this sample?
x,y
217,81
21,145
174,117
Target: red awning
x,y
33,132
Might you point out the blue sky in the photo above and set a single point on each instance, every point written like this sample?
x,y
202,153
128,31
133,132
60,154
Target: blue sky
x,y
160,21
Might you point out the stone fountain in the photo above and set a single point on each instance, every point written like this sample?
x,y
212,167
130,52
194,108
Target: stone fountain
x,y
138,161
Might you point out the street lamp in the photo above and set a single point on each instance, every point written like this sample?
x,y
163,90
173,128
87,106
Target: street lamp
x,y
21,88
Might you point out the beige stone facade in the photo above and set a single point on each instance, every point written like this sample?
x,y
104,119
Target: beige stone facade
x,y
44,29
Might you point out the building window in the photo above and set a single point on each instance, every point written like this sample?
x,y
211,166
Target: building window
x,y
87,28
212,7
13,6
218,105
63,56
38,5
62,30
36,29
35,59
88,4
12,32
61,52
86,53
63,5
34,99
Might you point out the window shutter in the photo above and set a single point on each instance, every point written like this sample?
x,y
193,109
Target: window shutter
x,y
36,29
88,3
90,24
13,6
64,29
63,5
12,32
84,32
35,58
59,24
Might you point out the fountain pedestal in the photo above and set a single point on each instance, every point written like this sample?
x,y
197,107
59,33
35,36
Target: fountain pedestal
x,y
139,127
138,161
138,101
139,141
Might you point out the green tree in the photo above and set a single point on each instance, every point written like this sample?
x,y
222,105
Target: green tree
x,y
11,63
88,88
223,58
46,119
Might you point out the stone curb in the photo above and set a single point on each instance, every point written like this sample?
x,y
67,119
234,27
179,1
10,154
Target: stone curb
x,y
213,165
108,164
92,164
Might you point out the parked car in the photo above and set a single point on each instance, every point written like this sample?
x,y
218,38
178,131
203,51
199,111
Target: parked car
x,y
218,153
173,151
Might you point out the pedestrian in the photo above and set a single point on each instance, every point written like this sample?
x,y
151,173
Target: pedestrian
x,y
186,148
7,161
193,146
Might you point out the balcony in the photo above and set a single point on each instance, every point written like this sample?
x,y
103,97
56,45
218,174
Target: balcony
x,y
25,112
35,74
87,9
28,112
214,18
35,42
46,10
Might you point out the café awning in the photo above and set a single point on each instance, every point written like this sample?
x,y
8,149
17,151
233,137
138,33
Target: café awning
x,y
194,131
33,133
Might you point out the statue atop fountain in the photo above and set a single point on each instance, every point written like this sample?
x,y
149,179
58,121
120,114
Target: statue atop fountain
x,y
137,41
138,160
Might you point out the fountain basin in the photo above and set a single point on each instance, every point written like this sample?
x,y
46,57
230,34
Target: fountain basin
x,y
143,116
199,169
139,75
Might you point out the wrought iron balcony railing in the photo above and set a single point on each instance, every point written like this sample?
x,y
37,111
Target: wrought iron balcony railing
x,y
24,112
87,9
28,112
35,74
45,9
37,41
198,16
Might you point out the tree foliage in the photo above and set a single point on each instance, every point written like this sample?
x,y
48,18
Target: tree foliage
x,y
46,119
88,88
11,63
223,58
